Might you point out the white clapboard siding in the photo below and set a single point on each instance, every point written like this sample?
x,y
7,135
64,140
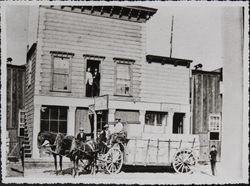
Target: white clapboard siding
x,y
165,83
85,34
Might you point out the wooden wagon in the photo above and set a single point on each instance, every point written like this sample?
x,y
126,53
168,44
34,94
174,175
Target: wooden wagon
x,y
178,150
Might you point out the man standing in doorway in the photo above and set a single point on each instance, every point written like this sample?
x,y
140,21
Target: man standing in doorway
x,y
213,154
96,82
89,83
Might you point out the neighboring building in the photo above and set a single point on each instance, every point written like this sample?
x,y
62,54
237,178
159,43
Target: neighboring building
x,y
149,93
207,110
15,107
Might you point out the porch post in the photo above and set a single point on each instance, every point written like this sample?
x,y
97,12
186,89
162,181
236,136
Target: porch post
x,y
186,124
170,122
142,118
36,129
111,115
71,121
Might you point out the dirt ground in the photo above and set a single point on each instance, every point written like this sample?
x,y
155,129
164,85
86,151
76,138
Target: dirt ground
x,y
129,174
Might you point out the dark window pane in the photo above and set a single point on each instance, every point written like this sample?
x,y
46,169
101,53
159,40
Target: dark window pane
x,y
149,119
21,131
63,113
63,126
54,126
44,125
214,136
45,113
54,113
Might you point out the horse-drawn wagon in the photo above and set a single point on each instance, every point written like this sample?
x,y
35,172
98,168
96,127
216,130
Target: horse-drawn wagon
x,y
180,151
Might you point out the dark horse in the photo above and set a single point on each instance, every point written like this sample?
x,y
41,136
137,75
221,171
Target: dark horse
x,y
84,151
59,143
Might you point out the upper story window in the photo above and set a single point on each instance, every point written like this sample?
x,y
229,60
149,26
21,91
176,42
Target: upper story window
x,y
124,76
61,71
155,118
214,126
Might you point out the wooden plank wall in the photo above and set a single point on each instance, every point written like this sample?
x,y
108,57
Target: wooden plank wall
x,y
15,98
29,97
165,83
85,34
206,100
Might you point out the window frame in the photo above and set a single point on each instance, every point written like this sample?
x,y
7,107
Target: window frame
x,y
57,120
211,129
130,63
65,55
155,113
19,122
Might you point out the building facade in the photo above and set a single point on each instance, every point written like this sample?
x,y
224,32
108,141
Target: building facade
x,y
15,107
96,56
207,110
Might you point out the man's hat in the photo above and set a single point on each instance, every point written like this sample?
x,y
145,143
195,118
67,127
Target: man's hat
x,y
106,126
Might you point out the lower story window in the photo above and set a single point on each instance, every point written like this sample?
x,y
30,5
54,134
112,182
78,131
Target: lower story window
x,y
155,118
54,119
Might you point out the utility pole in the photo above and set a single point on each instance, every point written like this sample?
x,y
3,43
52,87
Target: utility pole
x,y
171,39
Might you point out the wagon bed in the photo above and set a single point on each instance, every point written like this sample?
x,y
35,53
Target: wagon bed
x,y
152,151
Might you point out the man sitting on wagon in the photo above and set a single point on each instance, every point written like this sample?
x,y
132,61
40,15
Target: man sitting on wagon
x,y
118,134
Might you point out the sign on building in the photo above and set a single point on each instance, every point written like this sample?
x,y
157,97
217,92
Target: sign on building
x,y
101,102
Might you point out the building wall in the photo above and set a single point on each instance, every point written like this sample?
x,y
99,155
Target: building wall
x,y
165,83
85,34
29,99
206,99
235,133
15,100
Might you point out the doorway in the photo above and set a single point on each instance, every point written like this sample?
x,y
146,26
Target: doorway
x,y
178,123
93,77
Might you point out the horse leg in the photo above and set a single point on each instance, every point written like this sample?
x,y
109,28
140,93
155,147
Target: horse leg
x,y
77,166
73,165
60,163
55,162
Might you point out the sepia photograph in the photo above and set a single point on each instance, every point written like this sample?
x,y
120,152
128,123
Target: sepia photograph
x,y
124,92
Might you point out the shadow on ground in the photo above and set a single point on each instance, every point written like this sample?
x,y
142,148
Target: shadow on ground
x,y
155,169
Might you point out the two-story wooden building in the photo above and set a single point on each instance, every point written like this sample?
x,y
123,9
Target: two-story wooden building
x,y
72,44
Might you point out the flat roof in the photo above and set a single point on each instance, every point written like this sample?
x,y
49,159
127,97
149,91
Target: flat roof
x,y
168,60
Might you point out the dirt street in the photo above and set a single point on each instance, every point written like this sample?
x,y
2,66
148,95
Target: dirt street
x,y
129,174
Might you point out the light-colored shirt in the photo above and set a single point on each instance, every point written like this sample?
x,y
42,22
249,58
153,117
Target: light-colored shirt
x,y
89,78
118,127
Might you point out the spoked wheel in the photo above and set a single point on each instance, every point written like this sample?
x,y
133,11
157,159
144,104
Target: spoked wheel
x,y
184,161
114,161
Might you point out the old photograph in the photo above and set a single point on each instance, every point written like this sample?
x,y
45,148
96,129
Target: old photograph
x,y
124,93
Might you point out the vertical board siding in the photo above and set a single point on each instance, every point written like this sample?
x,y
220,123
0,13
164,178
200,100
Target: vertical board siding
x,y
15,99
165,83
206,100
29,98
85,34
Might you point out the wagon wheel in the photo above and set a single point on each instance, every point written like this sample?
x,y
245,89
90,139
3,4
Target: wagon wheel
x,y
114,161
184,161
